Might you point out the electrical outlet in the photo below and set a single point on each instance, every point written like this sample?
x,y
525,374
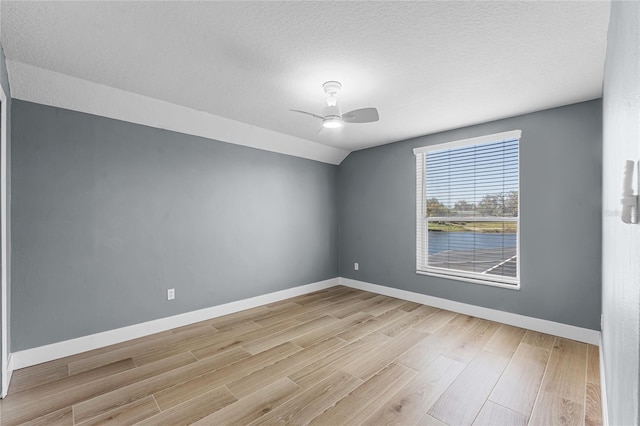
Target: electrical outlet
x,y
356,266
171,294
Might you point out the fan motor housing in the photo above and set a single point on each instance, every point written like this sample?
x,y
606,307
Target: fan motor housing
x,y
332,111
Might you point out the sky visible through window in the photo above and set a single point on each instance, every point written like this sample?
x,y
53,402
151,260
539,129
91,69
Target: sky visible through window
x,y
477,179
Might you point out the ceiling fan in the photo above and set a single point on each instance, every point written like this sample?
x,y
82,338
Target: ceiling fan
x,y
332,117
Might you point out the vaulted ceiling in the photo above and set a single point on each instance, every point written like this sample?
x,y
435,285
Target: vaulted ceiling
x,y
426,66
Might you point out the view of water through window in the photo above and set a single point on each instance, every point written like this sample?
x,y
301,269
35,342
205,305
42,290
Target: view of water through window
x,y
439,242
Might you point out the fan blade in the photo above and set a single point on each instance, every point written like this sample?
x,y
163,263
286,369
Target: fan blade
x,y
362,115
308,113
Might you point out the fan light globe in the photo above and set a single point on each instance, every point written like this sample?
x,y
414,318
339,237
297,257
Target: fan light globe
x,y
332,123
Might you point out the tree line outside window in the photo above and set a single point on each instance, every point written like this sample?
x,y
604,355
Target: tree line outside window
x,y
503,204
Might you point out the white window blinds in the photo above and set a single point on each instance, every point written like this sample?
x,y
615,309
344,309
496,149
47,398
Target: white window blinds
x,y
467,202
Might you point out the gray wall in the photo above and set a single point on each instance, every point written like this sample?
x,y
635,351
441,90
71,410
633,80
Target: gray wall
x,y
560,187
109,215
621,243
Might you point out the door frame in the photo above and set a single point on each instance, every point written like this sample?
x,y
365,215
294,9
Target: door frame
x,y
6,373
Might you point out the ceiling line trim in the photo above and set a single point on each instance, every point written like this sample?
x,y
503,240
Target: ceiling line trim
x,y
51,88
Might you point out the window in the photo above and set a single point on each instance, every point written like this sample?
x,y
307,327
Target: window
x,y
467,209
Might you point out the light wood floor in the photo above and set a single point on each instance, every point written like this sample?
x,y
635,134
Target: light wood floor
x,y
337,356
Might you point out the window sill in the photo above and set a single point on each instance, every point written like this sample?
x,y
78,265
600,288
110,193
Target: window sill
x,y
471,280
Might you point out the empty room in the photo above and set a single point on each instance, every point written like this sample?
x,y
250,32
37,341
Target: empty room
x,y
320,212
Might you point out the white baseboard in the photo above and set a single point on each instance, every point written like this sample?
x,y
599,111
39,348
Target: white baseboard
x,y
29,357
603,388
549,327
9,373
33,356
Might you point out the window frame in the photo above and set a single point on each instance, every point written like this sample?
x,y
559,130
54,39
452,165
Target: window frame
x,y
422,234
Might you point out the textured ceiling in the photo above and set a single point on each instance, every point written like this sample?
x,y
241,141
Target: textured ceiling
x,y
426,66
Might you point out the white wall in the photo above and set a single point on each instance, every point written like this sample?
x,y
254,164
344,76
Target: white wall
x,y
621,242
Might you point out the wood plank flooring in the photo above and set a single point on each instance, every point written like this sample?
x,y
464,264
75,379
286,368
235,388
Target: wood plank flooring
x,y
333,357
